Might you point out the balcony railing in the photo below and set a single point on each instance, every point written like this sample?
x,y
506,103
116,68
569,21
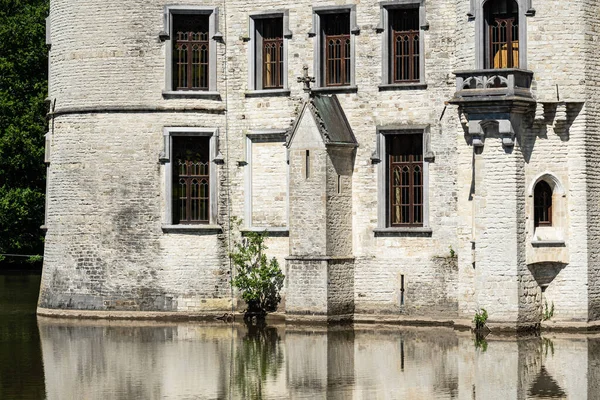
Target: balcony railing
x,y
492,84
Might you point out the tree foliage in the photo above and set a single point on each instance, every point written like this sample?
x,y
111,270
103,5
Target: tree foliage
x,y
258,279
23,87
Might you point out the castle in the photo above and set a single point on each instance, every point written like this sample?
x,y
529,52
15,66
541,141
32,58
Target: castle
x,y
432,158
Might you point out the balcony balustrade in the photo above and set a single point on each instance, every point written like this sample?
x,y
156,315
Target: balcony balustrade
x,y
494,90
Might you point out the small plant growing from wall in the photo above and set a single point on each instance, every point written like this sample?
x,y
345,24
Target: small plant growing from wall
x,y
258,279
480,319
452,252
481,330
548,312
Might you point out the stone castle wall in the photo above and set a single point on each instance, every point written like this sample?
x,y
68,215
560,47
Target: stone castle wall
x,y
105,246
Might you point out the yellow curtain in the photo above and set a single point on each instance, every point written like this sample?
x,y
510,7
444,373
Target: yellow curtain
x,y
501,56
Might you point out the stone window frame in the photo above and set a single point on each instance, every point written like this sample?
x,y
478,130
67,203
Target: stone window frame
x,y
255,73
165,158
317,34
380,157
215,37
264,135
477,14
559,211
384,28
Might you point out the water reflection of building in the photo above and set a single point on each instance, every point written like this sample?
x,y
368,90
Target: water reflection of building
x,y
121,361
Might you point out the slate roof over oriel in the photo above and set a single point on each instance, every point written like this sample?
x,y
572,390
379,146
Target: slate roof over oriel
x,y
330,119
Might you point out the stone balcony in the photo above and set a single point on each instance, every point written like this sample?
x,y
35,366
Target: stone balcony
x,y
487,91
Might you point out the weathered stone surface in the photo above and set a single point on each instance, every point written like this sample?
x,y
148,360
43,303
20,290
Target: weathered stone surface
x,y
105,249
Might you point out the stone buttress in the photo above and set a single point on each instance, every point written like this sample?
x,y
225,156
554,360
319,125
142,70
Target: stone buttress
x,y
320,267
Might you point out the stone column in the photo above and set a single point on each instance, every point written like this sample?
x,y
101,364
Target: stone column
x,y
503,284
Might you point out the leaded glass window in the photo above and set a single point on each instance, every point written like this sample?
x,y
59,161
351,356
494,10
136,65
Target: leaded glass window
x,y
502,19
405,179
405,47
271,33
191,181
336,39
190,51
542,204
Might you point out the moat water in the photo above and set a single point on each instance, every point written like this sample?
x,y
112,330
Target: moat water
x,y
64,359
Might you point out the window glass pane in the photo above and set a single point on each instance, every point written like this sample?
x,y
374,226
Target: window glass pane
x,y
271,32
190,51
542,204
502,20
404,45
405,163
191,167
336,41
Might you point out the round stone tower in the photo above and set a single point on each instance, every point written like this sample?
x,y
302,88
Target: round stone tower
x,y
115,238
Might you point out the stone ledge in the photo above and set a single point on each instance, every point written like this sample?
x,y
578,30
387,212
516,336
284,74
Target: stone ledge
x,y
334,89
131,315
548,243
267,93
303,319
320,258
404,320
571,326
203,229
402,86
191,94
281,317
271,232
403,232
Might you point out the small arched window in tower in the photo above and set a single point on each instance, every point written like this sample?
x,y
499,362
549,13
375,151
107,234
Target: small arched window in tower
x,y
502,34
542,204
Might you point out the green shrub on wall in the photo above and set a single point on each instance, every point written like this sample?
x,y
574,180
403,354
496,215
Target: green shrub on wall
x,y
258,279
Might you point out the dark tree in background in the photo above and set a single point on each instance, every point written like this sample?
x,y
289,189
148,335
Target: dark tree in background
x,y
23,88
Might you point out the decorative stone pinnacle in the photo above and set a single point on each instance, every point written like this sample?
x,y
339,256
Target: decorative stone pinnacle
x,y
307,80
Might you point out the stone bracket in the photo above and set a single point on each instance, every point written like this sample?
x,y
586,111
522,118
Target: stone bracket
x,y
556,113
481,127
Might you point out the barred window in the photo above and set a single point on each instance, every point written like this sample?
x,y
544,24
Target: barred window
x,y
190,52
502,19
405,179
191,180
405,46
337,49
270,34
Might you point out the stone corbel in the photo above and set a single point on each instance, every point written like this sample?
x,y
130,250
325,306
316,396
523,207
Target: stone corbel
x,y
477,134
479,129
472,7
218,36
529,7
376,156
561,113
540,115
508,141
219,160
478,140
163,36
375,159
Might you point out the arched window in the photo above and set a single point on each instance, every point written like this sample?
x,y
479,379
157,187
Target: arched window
x,y
542,204
502,34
